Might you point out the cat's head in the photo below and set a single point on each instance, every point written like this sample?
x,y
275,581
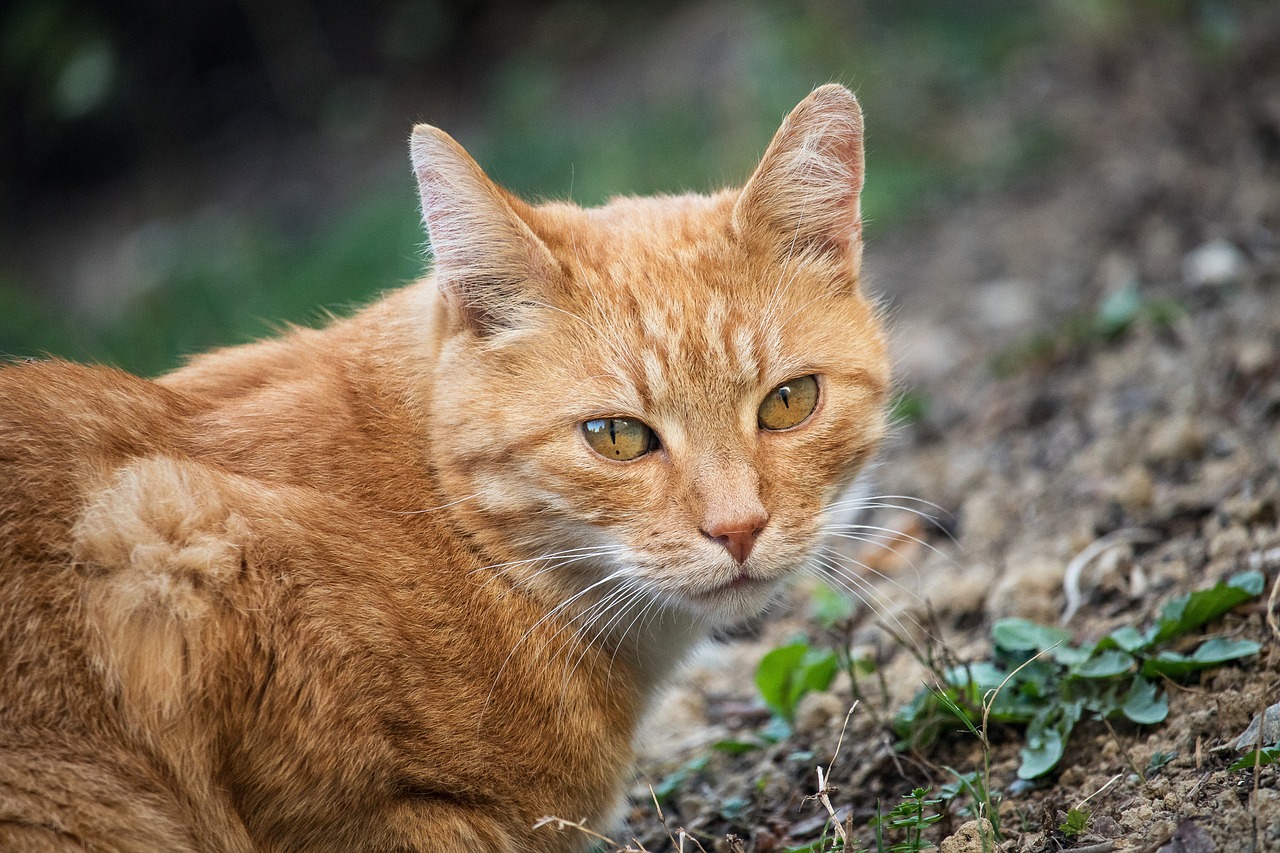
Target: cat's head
x,y
660,396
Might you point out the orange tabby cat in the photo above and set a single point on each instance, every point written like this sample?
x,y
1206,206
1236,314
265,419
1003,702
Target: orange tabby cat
x,y
409,581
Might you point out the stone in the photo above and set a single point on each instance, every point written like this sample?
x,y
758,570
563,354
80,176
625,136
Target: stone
x,y
976,836
819,712
1213,264
1176,439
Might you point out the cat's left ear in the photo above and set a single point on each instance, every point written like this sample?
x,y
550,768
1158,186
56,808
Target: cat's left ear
x,y
804,194
489,264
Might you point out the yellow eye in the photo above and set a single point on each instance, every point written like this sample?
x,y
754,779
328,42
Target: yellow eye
x,y
789,404
622,439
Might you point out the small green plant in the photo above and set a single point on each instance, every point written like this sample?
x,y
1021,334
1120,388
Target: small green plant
x,y
1258,758
1120,311
1038,678
912,817
1077,823
1158,760
787,673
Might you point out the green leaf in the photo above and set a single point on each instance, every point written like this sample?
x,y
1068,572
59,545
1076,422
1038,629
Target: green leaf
x,y
735,747
1126,638
1119,310
1258,758
1021,635
789,672
1105,664
672,782
776,730
1047,738
1210,653
1077,823
1145,704
732,807
775,675
1188,612
830,608
1159,759
1221,649
982,675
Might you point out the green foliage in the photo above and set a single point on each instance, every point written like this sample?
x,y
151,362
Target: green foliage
x,y
672,781
1258,758
985,801
1114,317
1077,823
910,817
1050,683
829,608
787,673
1158,760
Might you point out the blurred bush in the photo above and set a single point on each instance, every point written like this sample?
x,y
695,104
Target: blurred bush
x,y
554,97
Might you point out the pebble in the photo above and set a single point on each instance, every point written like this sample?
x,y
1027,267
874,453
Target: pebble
x,y
1213,264
1176,439
1005,305
1254,357
1029,590
976,836
1230,542
1137,817
817,713
1136,490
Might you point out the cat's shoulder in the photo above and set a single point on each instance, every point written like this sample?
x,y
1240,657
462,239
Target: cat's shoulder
x,y
54,398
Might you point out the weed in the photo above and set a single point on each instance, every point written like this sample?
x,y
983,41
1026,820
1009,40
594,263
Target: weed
x,y
787,673
911,816
1039,679
1077,823
1258,758
1117,314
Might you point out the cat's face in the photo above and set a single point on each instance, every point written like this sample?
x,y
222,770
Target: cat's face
x,y
661,397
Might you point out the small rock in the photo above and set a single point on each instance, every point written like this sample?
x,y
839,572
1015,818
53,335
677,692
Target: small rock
x,y
976,836
1137,818
1176,439
1104,825
1006,304
1136,490
1029,590
1189,838
1254,357
818,712
1266,802
1213,264
1230,542
1268,722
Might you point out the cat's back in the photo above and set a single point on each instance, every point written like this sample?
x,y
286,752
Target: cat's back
x,y
62,427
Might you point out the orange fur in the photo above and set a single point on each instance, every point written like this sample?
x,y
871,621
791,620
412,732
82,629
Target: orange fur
x,y
368,587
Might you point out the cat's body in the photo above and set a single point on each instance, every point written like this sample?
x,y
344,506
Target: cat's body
x,y
371,587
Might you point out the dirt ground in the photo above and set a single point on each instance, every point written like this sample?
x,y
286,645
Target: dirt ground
x,y
1036,434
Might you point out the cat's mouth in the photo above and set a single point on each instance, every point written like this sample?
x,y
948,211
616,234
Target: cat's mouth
x,y
742,583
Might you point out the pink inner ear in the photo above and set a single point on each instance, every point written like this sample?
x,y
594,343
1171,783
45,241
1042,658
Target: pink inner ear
x,y
805,191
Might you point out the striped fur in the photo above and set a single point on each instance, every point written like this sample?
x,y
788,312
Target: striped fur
x,y
368,587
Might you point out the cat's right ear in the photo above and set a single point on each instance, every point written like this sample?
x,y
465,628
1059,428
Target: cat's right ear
x,y
803,197
487,259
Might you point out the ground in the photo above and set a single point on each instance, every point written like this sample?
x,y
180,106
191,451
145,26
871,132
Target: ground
x,y
1094,350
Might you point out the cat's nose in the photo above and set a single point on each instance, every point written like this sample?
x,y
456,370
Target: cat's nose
x,y
738,536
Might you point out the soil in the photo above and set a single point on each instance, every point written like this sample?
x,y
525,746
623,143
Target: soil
x,y
1038,433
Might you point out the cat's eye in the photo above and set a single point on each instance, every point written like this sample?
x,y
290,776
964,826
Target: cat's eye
x,y
622,439
789,404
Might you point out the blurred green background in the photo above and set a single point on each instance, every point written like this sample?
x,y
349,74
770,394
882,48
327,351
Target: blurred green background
x,y
177,176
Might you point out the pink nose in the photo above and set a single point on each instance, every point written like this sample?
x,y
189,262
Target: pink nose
x,y
737,536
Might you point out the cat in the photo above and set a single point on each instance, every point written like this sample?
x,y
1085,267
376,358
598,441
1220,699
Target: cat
x,y
408,582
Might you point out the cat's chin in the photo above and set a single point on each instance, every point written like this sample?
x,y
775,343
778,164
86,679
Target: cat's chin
x,y
740,599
